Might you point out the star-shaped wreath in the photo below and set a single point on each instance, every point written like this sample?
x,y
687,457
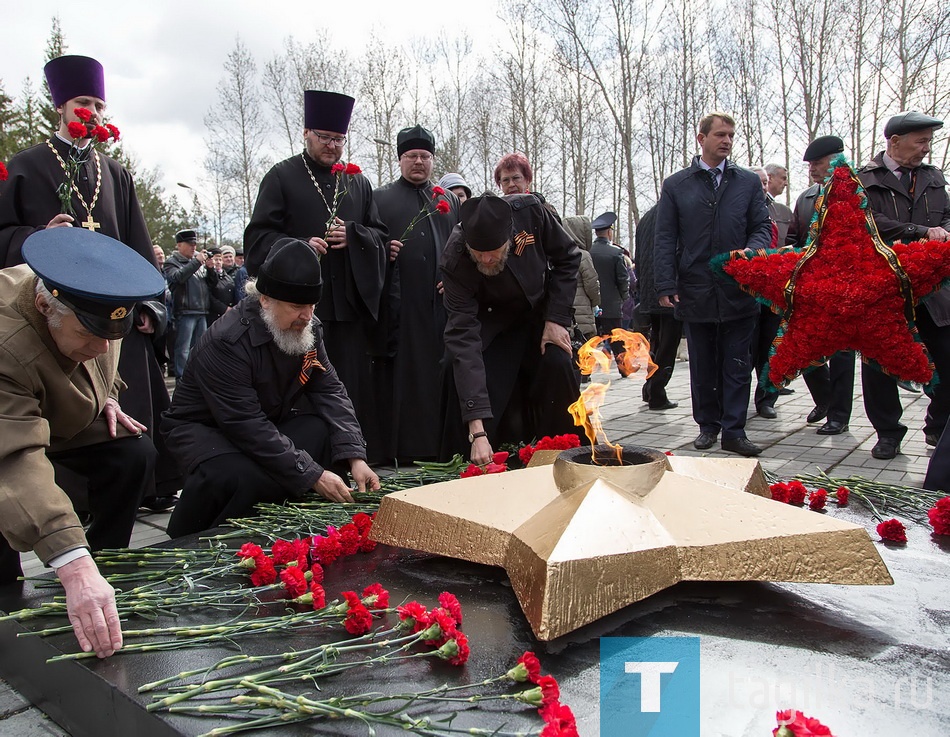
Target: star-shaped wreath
x,y
845,290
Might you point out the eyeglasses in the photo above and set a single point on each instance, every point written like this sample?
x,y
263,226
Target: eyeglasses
x,y
329,140
418,157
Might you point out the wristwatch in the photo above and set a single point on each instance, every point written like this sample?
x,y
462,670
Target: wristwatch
x,y
479,434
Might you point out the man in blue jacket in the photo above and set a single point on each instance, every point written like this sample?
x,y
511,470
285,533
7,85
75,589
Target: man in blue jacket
x,y
709,208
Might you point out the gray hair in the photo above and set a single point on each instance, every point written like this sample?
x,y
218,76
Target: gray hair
x,y
58,309
251,292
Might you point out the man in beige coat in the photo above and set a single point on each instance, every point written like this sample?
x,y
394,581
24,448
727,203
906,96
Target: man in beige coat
x,y
62,316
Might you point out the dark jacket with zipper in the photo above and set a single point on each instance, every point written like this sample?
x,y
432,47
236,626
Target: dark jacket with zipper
x,y
238,386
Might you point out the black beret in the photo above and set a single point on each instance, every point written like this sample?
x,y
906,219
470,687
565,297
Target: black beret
x,y
96,276
909,122
327,111
823,146
186,236
417,137
291,273
486,222
604,221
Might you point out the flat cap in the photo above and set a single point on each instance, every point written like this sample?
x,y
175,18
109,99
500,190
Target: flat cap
x,y
908,122
604,220
96,276
823,146
486,222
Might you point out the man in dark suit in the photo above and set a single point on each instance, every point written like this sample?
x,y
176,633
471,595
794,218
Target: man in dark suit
x,y
708,208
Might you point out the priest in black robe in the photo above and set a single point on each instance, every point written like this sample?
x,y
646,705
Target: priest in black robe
x,y
297,198
104,200
407,372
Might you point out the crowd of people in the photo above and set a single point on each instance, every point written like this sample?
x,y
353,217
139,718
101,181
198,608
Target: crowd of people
x,y
414,321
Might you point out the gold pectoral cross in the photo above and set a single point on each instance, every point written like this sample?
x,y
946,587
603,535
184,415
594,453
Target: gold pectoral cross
x,y
89,223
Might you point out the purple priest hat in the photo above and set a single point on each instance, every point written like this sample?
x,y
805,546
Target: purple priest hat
x,y
72,76
327,111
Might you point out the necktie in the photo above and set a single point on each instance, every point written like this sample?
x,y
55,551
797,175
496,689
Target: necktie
x,y
906,177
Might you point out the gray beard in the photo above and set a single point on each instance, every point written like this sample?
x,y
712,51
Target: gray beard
x,y
494,269
291,342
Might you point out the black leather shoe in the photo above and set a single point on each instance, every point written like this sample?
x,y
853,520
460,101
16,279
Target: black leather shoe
x,y
817,414
742,446
704,441
767,412
668,405
931,438
886,448
159,503
832,427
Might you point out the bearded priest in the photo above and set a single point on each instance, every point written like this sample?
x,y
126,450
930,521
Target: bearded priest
x,y
260,414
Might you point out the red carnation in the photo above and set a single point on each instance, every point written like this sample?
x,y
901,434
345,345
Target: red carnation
x,y
349,539
842,496
413,614
77,130
113,131
525,454
440,624
102,134
362,521
442,206
264,573
892,530
550,691
337,168
779,492
472,470
796,493
527,669
375,596
249,550
559,721
817,499
83,114
353,169
455,648
319,595
437,191
4,174
451,605
358,619
939,515
294,581
283,552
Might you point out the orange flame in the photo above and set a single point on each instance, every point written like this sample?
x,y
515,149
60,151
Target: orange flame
x,y
635,359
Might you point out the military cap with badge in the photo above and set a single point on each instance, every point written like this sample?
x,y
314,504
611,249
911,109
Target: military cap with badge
x,y
99,278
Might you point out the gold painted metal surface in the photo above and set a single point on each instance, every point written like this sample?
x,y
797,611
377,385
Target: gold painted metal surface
x,y
581,541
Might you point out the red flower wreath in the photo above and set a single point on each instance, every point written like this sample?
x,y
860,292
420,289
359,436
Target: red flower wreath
x,y
846,290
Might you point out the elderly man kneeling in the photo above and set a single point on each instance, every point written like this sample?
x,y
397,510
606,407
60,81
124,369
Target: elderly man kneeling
x,y
260,413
